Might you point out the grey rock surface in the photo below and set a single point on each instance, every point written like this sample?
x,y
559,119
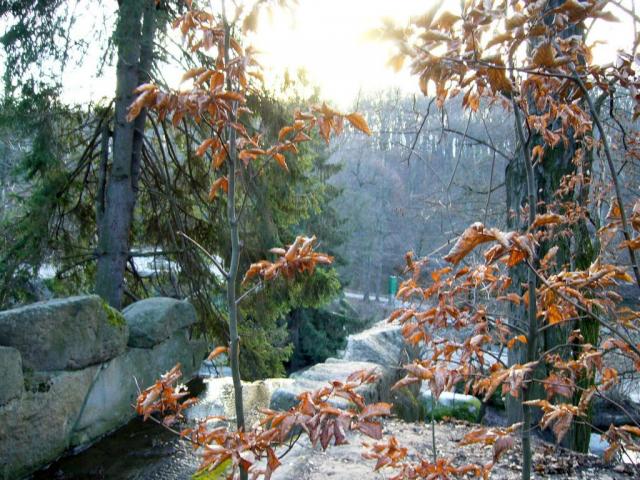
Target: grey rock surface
x,y
12,379
321,374
64,334
153,320
35,429
380,347
382,344
114,390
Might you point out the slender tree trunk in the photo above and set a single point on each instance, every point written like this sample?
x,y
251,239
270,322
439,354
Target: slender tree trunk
x,y
366,277
134,37
232,280
532,320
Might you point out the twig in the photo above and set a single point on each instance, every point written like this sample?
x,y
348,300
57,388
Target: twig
x,y
291,445
207,254
455,168
415,140
257,286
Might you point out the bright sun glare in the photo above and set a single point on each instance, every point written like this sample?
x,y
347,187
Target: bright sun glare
x,y
327,40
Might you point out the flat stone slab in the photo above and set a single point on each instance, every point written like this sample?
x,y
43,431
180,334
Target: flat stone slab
x,y
64,334
12,379
153,320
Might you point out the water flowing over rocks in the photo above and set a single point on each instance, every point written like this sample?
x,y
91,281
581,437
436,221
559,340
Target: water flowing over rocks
x,y
218,398
69,377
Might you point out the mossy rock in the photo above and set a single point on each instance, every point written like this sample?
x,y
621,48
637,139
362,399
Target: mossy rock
x,y
64,334
449,405
114,317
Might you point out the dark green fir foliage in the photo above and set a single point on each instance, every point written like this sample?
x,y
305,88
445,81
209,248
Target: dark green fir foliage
x,y
44,218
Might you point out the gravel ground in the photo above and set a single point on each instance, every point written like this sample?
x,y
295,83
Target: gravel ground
x,y
346,462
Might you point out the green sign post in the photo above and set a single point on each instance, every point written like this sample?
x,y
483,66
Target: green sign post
x,y
393,288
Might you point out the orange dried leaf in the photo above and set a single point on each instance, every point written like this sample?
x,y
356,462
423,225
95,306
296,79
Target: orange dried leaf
x,y
217,352
284,131
358,121
544,55
220,183
470,239
279,157
204,146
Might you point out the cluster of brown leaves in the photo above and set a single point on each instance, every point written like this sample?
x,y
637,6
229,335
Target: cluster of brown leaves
x,y
320,414
475,47
511,379
165,397
512,247
390,454
443,303
476,54
502,439
614,225
299,257
625,437
557,416
565,294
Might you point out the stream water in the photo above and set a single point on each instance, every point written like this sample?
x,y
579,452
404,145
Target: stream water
x,y
139,450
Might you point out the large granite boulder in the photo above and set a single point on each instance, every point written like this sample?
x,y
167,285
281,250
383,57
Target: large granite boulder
x,y
64,334
115,387
153,320
35,429
382,344
380,348
12,379
79,379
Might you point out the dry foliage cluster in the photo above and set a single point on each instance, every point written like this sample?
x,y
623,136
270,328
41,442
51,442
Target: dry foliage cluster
x,y
317,415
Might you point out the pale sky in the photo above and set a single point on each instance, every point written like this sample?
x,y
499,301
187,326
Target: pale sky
x,y
326,38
